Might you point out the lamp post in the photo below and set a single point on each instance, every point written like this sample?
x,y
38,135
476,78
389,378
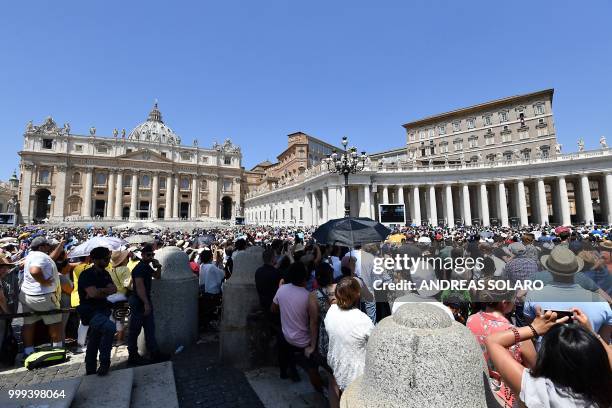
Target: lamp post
x,y
346,162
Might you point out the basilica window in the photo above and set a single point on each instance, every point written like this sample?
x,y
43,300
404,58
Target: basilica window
x,y
78,148
76,178
227,185
203,185
184,183
43,177
102,149
100,179
162,182
127,180
227,160
145,181
47,144
185,156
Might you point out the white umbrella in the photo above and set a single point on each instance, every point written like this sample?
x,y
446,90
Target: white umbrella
x,y
140,239
112,243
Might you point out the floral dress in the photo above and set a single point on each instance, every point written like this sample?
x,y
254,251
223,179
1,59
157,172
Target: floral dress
x,y
482,325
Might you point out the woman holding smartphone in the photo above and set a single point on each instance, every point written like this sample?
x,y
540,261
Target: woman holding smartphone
x,y
573,366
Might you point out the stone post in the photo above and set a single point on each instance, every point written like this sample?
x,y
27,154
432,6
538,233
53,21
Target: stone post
x,y
175,302
411,356
239,300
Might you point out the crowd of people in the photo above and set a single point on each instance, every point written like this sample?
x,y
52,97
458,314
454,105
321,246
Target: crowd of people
x,y
544,347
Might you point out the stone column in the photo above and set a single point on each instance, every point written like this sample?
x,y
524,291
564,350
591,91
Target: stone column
x,y
60,192
194,197
175,197
503,205
522,202
213,196
366,199
608,186
587,204
308,209
324,204
542,204
134,196
26,187
385,195
416,198
450,215
433,211
484,205
86,210
154,196
564,201
110,203
400,194
119,196
168,209
467,210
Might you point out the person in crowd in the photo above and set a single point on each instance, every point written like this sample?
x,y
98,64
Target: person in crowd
x,y
497,305
564,293
211,277
65,288
291,300
572,369
520,268
95,286
8,290
595,267
531,251
367,302
121,277
267,279
83,263
336,262
39,292
141,308
348,330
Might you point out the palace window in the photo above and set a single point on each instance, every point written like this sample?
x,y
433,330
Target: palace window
x,y
456,126
487,120
524,134
507,155
489,140
507,137
543,131
526,154
412,137
441,129
443,147
421,135
503,116
458,144
471,123
490,158
539,109
47,144
473,141
545,151
430,133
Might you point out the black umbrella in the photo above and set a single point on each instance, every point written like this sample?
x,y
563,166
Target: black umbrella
x,y
351,231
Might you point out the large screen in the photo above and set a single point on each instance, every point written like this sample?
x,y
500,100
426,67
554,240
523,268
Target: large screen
x,y
392,213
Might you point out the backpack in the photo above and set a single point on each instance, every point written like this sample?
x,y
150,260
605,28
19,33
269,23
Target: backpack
x,y
47,358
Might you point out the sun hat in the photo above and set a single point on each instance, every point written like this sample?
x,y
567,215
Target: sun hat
x,y
562,261
118,257
38,241
5,261
606,244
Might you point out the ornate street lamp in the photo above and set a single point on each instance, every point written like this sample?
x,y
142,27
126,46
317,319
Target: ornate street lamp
x,y
347,162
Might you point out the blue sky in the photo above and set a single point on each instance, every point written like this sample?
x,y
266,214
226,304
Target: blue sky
x,y
256,71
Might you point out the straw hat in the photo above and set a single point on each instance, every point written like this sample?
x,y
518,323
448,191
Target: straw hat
x,y
562,261
5,261
606,244
118,257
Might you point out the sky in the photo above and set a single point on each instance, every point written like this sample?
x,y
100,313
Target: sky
x,y
256,71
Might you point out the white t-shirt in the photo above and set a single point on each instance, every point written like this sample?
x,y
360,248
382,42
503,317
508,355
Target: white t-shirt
x,y
336,264
348,332
541,393
30,286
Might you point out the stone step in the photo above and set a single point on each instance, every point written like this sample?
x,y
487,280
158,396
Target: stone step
x,y
68,386
154,386
111,391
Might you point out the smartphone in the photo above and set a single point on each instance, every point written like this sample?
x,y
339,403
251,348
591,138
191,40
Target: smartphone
x,y
562,313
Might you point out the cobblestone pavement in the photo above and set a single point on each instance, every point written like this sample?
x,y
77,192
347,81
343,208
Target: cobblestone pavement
x,y
201,381
75,367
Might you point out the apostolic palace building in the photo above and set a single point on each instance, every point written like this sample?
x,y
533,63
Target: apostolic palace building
x,y
495,163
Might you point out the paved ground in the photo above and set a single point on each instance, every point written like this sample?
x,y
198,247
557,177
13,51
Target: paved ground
x,y
201,381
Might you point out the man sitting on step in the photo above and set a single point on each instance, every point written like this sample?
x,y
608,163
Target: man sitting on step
x,y
95,284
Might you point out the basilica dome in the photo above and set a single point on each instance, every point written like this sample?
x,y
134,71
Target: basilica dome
x,y
154,130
